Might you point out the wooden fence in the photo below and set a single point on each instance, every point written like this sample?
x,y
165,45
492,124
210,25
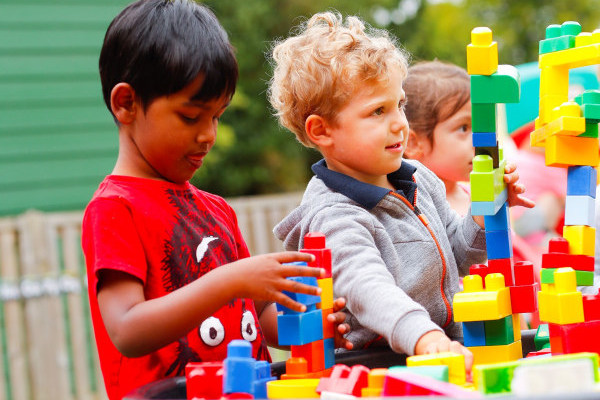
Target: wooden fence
x,y
47,348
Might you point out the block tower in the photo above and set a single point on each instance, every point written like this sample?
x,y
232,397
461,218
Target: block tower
x,y
310,334
568,130
493,294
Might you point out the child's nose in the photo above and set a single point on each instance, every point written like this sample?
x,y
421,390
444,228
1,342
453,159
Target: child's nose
x,y
399,122
207,133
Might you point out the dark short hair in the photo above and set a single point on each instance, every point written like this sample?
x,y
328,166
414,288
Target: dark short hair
x,y
435,91
160,46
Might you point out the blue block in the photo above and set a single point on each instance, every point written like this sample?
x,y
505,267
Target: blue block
x,y
498,222
498,244
474,333
299,329
329,352
489,207
263,375
310,301
581,181
484,139
239,368
580,210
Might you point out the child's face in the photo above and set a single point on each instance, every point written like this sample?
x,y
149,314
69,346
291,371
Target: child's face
x,y
450,156
371,132
174,135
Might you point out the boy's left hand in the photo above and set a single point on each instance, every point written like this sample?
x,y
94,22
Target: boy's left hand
x,y
515,189
341,327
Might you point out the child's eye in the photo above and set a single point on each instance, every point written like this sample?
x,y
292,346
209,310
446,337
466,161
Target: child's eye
x,y
464,128
189,120
378,111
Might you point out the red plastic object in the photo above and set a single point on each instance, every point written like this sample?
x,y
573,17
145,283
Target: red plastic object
x,y
345,380
204,380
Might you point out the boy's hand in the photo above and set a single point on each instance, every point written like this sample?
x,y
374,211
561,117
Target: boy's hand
x,y
341,328
515,189
263,277
437,342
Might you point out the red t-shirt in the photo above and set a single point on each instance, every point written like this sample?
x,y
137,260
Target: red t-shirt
x,y
167,235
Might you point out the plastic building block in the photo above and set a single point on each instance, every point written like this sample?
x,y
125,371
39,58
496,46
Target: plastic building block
x,y
555,81
307,299
558,245
504,86
494,378
329,352
406,383
482,53
561,303
562,126
581,239
328,327
565,151
572,58
204,380
591,130
498,244
581,181
489,207
262,376
296,366
580,210
473,333
454,361
590,105
477,304
313,354
575,338
502,266
483,117
439,372
542,337
299,329
326,285
499,331
524,274
591,307
375,379
292,389
495,354
582,278
494,151
560,37
345,380
239,368
485,139
524,298
486,181
573,376
498,222
558,257
314,243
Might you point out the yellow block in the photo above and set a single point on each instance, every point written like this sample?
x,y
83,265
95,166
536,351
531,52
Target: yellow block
x,y
293,389
581,238
549,102
516,321
375,383
560,302
454,361
326,286
496,354
565,151
482,53
478,304
572,58
554,80
563,126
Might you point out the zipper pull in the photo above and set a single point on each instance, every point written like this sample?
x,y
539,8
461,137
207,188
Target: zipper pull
x,y
423,219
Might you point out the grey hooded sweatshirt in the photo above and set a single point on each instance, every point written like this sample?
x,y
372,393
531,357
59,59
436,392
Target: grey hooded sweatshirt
x,y
396,256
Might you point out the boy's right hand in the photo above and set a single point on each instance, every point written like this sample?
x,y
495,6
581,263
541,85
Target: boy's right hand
x,y
437,342
263,277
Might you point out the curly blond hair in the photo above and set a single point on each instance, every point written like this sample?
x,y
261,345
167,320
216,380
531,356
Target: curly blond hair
x,y
316,71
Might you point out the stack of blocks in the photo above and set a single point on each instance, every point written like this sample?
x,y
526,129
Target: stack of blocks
x,y
568,130
310,334
494,294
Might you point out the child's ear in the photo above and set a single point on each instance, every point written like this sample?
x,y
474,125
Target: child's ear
x,y
122,103
414,146
316,130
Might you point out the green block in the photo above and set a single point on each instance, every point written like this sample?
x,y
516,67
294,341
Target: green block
x,y
494,378
583,278
483,117
591,113
556,44
591,130
499,331
588,97
439,372
542,337
503,86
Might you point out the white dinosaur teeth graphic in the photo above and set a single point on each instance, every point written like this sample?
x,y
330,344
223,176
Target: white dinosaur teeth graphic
x,y
203,246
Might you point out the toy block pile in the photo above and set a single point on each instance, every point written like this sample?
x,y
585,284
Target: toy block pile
x,y
568,130
496,293
309,333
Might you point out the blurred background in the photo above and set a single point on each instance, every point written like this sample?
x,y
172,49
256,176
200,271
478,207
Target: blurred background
x,y
58,141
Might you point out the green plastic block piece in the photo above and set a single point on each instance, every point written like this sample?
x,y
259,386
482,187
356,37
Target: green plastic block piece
x,y
583,278
483,117
553,31
542,337
439,372
499,331
590,106
591,130
503,86
494,378
560,37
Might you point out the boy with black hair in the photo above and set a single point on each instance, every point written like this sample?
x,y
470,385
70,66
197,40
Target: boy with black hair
x,y
170,277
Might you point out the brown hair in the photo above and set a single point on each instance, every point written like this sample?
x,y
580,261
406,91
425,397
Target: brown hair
x,y
435,91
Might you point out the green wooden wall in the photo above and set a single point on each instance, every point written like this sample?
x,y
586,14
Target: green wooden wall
x,y
57,139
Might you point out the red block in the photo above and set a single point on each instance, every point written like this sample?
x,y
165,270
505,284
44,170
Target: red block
x,y
575,338
328,327
503,266
204,380
313,354
558,245
524,273
406,383
479,269
314,243
579,262
541,352
523,299
314,240
591,307
345,380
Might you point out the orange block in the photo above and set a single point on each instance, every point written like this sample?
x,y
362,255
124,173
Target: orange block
x,y
564,151
313,353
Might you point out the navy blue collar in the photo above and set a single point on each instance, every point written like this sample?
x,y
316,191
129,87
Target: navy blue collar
x,y
366,194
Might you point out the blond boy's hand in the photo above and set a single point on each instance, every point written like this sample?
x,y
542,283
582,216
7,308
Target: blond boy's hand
x,y
437,342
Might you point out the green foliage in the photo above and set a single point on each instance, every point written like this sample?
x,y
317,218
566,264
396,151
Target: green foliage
x,y
254,155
